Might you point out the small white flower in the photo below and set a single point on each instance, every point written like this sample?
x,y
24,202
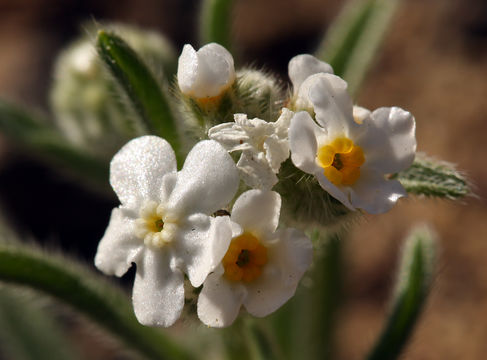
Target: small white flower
x,y
162,224
264,146
205,73
262,266
303,66
352,150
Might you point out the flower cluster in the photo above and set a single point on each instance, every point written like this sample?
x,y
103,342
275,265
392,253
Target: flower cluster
x,y
173,224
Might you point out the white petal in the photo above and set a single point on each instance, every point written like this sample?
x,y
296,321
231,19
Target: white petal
x,y
282,123
231,136
340,193
220,66
389,142
360,114
257,211
207,72
257,128
201,245
331,103
276,152
303,134
255,171
119,247
289,259
187,69
158,294
302,66
136,171
242,120
375,194
167,186
207,182
219,301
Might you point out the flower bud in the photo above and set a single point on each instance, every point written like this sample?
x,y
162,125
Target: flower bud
x,y
205,74
88,106
259,94
253,92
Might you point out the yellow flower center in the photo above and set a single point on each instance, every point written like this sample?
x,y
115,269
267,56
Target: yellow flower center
x,y
244,259
341,161
154,226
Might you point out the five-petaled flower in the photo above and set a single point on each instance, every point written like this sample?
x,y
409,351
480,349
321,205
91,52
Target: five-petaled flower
x,y
264,146
262,266
163,223
352,150
205,74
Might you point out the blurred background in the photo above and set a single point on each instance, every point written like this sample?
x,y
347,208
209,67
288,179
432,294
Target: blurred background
x,y
433,63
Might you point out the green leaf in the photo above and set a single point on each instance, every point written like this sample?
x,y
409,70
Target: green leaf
x,y
216,22
88,294
27,332
353,40
412,288
32,131
141,87
430,177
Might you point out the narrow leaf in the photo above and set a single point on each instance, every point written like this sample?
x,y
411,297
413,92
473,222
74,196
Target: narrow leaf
x,y
142,88
216,22
88,294
412,287
33,132
27,332
431,177
354,38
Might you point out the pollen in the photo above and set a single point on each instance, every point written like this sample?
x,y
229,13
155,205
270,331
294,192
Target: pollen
x,y
244,259
341,161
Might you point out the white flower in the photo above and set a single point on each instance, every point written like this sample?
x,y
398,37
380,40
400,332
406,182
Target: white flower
x,y
352,150
262,266
303,66
264,146
205,73
162,224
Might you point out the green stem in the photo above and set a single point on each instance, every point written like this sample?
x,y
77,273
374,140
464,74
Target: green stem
x,y
329,283
142,88
235,341
216,22
260,342
413,284
88,294
304,327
